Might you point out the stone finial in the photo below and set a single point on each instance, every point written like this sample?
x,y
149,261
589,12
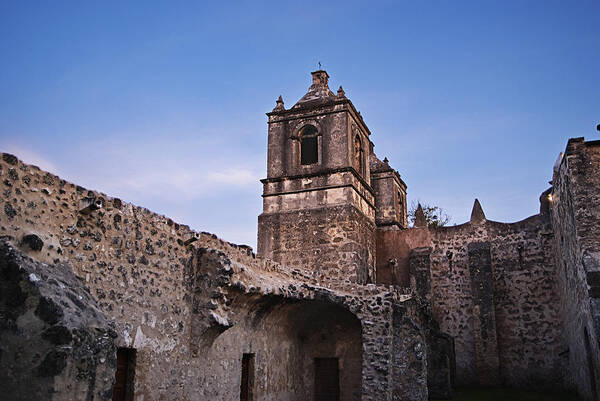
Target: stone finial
x,y
340,93
477,215
320,78
420,220
385,160
319,90
279,104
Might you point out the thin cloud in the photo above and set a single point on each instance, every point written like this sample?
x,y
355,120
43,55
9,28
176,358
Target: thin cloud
x,y
167,170
172,181
238,177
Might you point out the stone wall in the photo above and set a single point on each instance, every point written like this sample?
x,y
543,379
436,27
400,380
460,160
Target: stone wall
x,y
441,366
191,304
493,289
408,335
281,329
132,261
575,208
334,241
55,344
311,191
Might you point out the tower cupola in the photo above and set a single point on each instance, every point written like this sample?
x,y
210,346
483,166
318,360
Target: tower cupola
x,y
319,91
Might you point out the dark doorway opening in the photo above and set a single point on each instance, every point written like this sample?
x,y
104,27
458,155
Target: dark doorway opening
x,y
247,383
123,389
327,379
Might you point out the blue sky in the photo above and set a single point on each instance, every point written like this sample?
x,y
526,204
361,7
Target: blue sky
x,y
162,103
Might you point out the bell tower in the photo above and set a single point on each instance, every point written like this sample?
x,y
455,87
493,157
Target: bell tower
x,y
318,203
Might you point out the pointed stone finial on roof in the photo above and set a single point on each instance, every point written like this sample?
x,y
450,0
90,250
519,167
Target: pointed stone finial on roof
x,y
385,160
420,220
341,93
477,215
279,106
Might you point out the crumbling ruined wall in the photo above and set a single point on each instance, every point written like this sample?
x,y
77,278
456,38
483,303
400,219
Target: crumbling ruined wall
x,y
191,304
132,261
576,221
286,318
285,334
55,344
494,291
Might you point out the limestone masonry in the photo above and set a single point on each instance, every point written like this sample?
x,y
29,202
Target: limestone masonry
x,y
104,300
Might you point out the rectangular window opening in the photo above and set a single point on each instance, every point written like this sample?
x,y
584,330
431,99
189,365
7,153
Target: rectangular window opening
x,y
125,374
247,384
309,153
327,379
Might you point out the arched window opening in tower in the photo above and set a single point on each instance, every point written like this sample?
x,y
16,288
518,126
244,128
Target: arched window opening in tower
x,y
309,152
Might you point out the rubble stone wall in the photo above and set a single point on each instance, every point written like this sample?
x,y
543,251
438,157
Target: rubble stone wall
x,y
440,346
132,261
55,344
287,318
335,241
575,209
515,299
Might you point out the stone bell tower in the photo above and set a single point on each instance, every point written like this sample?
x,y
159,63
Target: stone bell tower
x,y
318,204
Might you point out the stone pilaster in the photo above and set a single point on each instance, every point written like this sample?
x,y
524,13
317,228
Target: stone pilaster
x,y
484,320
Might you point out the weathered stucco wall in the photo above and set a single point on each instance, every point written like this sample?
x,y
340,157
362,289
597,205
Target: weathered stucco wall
x,y
575,209
191,304
494,290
